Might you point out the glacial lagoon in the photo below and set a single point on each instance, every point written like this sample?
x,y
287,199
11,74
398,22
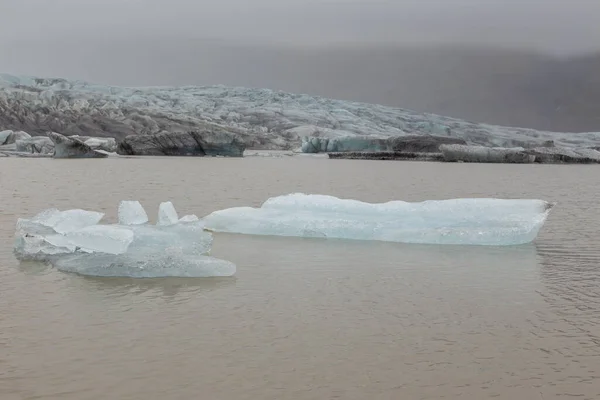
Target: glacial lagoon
x,y
306,318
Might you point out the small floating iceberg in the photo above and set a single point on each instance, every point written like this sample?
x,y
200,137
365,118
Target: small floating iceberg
x,y
495,222
73,241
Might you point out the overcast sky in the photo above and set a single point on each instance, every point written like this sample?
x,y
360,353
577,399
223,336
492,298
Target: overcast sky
x,y
53,30
552,25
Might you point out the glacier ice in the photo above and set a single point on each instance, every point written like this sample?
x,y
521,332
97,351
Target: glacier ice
x,y
266,119
189,218
4,135
457,152
184,238
456,221
69,147
66,221
37,247
139,265
132,213
132,248
167,215
108,239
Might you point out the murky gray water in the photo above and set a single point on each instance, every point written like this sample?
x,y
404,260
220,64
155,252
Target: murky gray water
x,y
303,318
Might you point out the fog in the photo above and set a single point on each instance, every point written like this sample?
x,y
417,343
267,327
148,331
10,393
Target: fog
x,y
516,62
556,26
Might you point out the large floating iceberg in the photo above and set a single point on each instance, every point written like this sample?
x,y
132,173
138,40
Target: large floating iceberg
x,y
496,222
73,241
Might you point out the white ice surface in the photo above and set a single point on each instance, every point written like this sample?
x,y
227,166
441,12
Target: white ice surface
x,y
277,118
456,221
189,218
37,247
139,265
132,213
67,221
167,215
4,135
110,239
138,250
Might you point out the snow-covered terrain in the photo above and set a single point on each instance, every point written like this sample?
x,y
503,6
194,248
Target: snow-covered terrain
x,y
265,119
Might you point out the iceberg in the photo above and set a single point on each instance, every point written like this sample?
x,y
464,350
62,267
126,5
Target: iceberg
x,y
189,218
495,222
64,221
132,213
71,147
9,137
139,265
35,145
167,215
101,238
40,248
73,241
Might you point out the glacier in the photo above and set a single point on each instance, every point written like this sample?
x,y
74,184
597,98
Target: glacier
x,y
496,222
519,155
74,241
264,119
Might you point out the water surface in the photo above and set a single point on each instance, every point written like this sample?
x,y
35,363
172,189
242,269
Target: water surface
x,y
307,318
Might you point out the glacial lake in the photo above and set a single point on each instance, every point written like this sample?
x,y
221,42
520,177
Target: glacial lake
x,y
307,318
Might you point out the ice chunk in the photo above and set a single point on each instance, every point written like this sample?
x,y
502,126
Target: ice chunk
x,y
4,136
481,154
145,265
137,250
132,213
111,239
34,240
67,221
167,215
34,228
189,218
34,247
455,221
187,238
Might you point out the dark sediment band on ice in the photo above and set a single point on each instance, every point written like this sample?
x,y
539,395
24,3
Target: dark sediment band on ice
x,y
386,155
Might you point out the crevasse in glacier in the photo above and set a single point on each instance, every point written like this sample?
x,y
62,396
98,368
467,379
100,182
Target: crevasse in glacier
x,y
457,221
73,241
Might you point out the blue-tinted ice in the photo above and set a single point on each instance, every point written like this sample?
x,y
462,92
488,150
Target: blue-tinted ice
x,y
484,221
132,248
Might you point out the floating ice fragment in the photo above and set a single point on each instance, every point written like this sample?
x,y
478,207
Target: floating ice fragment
x,y
135,250
190,238
456,221
32,247
31,227
189,218
110,239
167,215
132,213
67,221
141,265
